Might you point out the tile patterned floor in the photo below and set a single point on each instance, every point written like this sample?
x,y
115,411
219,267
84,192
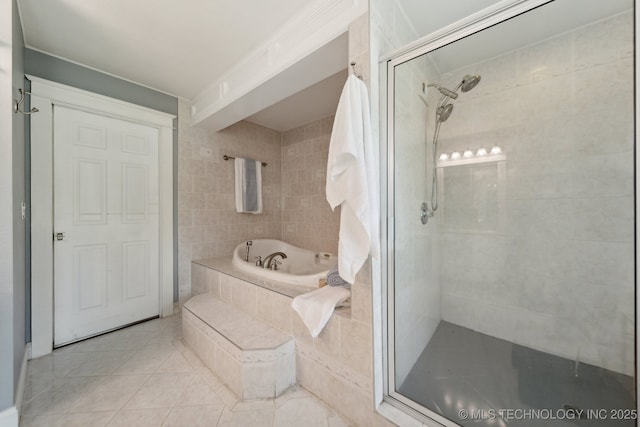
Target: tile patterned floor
x,y
144,376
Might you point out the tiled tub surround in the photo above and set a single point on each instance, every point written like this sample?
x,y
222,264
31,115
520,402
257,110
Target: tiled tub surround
x,y
335,366
295,209
253,359
203,281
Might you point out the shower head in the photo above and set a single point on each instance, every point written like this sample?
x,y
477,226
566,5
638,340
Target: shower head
x,y
469,82
443,90
445,108
443,112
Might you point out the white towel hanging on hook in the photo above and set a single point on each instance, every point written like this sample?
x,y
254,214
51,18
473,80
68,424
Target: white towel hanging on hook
x,y
352,181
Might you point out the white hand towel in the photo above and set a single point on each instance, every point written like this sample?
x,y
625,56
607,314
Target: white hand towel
x,y
316,307
248,185
352,180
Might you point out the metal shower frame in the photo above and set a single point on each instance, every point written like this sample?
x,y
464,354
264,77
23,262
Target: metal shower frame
x,y
386,394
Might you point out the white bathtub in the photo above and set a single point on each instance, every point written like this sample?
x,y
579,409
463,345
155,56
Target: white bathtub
x,y
301,267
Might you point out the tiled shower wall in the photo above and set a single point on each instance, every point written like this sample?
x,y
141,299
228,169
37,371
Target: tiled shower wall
x,y
307,218
417,288
557,273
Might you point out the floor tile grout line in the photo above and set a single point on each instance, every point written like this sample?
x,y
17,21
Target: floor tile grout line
x,y
102,352
164,420
136,391
68,412
196,373
220,416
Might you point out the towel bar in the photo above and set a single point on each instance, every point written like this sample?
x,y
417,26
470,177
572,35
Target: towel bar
x,y
225,157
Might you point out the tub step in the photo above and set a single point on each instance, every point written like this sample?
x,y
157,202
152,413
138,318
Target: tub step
x,y
255,360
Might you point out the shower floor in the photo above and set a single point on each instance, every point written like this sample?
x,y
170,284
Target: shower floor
x,y
461,369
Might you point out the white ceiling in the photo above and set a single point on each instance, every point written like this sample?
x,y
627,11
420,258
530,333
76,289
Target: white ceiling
x,y
320,100
177,47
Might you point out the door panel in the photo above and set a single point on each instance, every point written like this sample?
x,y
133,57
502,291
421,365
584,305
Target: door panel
x,y
135,269
90,186
89,265
107,205
135,179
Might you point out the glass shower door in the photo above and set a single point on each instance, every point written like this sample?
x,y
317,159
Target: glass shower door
x,y
415,262
514,302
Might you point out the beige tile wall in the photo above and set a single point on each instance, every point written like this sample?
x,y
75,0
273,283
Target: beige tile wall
x,y
295,207
307,218
208,224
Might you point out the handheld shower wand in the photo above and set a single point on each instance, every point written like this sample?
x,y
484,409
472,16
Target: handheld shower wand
x,y
443,111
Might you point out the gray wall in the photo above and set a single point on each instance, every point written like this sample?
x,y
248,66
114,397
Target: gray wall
x,y
19,229
12,189
58,70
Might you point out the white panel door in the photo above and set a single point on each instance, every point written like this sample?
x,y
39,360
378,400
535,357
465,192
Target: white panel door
x,y
106,224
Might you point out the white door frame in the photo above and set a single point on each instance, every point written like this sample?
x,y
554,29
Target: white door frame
x,y
44,95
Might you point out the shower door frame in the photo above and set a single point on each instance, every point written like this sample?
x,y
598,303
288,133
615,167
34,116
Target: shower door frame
x,y
474,23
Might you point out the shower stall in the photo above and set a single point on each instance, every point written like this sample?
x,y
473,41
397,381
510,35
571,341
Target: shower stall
x,y
510,269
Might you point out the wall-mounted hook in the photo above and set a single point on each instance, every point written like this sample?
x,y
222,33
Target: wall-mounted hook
x,y
353,67
18,102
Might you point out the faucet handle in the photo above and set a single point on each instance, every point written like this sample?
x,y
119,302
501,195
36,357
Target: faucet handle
x,y
274,264
258,261
249,244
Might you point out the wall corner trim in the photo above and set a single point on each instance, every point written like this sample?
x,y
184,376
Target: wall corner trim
x,y
22,379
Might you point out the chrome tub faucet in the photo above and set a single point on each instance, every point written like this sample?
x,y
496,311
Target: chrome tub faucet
x,y
271,263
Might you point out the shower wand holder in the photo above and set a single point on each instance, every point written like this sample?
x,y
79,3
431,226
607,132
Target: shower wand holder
x,y
425,213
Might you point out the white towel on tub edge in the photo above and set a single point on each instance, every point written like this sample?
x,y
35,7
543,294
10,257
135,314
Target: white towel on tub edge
x,y
316,307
